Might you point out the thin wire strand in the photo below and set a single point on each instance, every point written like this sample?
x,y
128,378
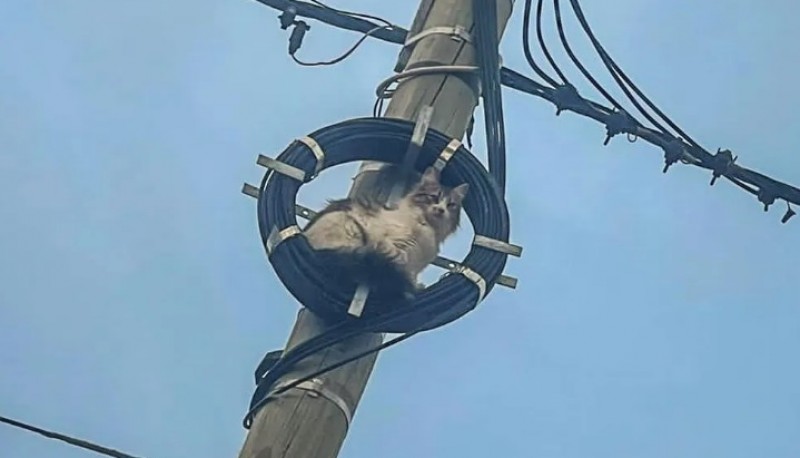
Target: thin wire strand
x,y
345,55
86,445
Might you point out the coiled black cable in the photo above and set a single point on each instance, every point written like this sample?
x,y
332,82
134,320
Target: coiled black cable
x,y
384,140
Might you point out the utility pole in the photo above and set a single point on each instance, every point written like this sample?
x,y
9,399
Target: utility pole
x,y
312,422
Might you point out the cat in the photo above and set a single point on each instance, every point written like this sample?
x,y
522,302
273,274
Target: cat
x,y
361,239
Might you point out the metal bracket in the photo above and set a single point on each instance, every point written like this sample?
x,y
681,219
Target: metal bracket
x,y
446,154
497,245
277,237
282,168
250,190
318,153
417,139
304,212
453,266
474,277
316,387
457,33
359,300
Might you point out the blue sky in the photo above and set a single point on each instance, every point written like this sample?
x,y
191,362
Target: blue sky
x,y
655,316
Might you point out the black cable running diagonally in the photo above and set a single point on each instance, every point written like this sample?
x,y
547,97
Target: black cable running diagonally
x,y
80,443
543,45
614,68
526,46
353,14
619,82
577,62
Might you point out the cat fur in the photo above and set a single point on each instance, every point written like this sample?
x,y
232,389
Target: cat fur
x,y
361,240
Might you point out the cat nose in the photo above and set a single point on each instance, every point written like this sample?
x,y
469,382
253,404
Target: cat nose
x,y
438,210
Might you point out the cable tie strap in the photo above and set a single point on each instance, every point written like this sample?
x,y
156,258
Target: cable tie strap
x,y
304,212
282,168
446,154
277,237
453,266
318,153
359,300
456,33
316,387
412,152
497,245
474,277
250,190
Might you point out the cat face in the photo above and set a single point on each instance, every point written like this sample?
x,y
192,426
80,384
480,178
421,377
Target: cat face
x,y
440,205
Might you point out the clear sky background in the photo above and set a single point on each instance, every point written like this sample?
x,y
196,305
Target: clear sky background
x,y
655,317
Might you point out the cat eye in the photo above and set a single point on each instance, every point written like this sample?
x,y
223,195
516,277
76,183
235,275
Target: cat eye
x,y
452,206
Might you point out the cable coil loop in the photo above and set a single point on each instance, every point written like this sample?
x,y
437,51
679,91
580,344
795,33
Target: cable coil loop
x,y
385,140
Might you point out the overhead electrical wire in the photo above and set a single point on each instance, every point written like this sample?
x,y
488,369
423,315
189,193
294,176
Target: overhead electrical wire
x,y
577,62
354,14
617,72
80,443
526,46
543,44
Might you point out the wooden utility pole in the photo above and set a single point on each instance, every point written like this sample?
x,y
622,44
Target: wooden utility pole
x,y
312,422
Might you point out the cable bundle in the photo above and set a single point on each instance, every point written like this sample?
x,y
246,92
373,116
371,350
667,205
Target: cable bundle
x,y
384,140
294,261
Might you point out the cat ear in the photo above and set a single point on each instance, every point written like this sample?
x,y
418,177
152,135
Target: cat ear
x,y
431,175
459,192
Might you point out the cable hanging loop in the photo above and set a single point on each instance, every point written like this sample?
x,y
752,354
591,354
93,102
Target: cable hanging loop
x,y
383,91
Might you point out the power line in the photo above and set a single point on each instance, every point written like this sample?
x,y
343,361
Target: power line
x,y
526,46
64,438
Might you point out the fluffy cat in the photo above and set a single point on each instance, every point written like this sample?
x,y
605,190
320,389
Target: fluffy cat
x,y
361,240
